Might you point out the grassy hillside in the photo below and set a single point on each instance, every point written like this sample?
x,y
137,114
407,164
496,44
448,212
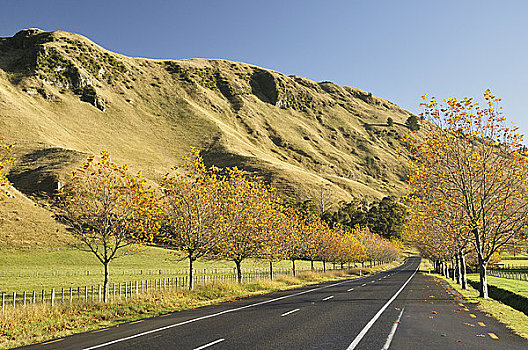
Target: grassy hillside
x,y
63,97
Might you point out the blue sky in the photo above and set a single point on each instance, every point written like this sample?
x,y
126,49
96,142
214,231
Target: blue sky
x,y
398,50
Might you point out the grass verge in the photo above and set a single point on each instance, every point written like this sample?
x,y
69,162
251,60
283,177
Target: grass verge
x,y
513,319
40,322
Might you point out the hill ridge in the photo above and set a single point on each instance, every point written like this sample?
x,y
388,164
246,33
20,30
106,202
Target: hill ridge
x,y
63,96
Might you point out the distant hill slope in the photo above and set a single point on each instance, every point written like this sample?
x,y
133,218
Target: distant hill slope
x,y
63,97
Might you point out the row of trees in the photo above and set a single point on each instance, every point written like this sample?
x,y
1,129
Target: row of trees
x,y
203,212
469,181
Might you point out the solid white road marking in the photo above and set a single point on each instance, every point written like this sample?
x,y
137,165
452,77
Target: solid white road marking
x,y
393,330
210,344
349,290
365,329
289,312
328,298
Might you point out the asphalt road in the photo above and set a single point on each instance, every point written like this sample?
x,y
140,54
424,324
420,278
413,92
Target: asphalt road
x,y
396,309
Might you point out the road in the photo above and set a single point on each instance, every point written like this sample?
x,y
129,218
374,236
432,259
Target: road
x,y
396,309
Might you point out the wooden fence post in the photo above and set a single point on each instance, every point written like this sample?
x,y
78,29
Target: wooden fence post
x,y
52,297
3,302
34,298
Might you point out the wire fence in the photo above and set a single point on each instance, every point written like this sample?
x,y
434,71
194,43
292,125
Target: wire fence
x,y
514,275
130,289
125,272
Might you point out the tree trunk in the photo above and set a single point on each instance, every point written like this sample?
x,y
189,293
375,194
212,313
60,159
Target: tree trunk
x,y
342,266
312,264
191,283
239,270
458,269
463,275
293,266
483,290
271,270
453,264
105,284
324,266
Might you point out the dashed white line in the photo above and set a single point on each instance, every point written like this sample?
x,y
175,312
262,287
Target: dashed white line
x,y
328,298
349,290
364,284
210,344
213,315
289,312
365,329
393,330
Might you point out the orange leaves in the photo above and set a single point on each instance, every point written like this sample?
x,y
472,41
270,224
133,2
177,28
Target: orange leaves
x,y
106,208
468,178
5,159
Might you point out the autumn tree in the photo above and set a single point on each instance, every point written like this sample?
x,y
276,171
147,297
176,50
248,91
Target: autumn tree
x,y
472,161
106,209
5,159
246,209
189,207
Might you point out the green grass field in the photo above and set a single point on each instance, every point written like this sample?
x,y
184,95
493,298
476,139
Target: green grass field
x,y
27,270
514,286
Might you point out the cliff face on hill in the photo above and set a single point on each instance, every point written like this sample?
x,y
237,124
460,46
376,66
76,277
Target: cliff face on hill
x,y
63,97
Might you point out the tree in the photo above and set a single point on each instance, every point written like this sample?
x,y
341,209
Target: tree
x,y
390,121
472,162
190,209
246,210
386,217
323,197
412,123
106,209
5,159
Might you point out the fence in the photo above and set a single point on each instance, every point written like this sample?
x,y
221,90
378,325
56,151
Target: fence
x,y
512,267
126,272
514,275
130,289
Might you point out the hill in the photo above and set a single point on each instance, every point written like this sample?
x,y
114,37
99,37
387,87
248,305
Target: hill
x,y
63,97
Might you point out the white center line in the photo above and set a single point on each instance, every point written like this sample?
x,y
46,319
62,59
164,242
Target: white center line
x,y
349,290
372,281
393,330
365,329
289,312
328,298
364,284
210,344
